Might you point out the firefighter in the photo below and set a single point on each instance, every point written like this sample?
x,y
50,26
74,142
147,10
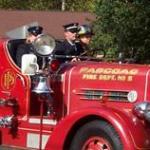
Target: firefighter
x,y
27,47
84,35
68,46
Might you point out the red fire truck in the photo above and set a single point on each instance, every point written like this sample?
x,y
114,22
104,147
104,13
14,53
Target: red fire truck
x,y
84,105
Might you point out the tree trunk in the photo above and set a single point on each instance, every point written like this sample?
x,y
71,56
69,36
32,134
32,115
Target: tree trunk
x,y
63,5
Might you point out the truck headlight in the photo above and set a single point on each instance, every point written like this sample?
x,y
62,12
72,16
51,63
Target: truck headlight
x,y
142,110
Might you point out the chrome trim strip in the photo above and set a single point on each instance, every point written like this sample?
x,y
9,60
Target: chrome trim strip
x,y
45,121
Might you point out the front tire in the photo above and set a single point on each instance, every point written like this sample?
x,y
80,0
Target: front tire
x,y
96,135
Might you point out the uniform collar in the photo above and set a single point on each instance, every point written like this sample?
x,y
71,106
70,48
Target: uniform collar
x,y
71,42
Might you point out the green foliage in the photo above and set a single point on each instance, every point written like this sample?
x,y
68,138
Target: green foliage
x,y
70,5
80,5
124,26
27,4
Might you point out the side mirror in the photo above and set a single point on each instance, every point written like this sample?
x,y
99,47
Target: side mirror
x,y
29,64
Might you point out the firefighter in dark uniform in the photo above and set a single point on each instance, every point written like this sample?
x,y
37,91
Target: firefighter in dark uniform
x,y
27,47
68,46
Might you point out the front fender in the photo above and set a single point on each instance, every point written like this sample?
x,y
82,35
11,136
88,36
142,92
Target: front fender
x,y
121,122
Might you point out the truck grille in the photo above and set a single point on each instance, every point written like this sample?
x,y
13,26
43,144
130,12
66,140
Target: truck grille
x,y
98,94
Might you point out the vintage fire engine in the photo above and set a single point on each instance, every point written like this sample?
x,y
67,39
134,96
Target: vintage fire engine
x,y
84,105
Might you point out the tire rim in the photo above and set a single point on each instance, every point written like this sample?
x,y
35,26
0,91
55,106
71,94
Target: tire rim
x,y
97,143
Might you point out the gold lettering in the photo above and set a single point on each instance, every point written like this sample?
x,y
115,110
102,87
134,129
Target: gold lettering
x,y
113,71
130,78
124,71
91,70
107,77
107,71
89,76
83,70
8,80
99,70
121,78
133,72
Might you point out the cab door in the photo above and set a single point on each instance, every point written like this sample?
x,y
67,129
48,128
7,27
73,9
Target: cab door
x,y
13,85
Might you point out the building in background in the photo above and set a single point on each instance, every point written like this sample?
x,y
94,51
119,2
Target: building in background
x,y
52,21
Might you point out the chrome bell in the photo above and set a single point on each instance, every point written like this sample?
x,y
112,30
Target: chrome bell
x,y
42,86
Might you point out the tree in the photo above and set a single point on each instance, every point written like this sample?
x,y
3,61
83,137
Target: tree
x,y
80,5
123,25
27,4
64,5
